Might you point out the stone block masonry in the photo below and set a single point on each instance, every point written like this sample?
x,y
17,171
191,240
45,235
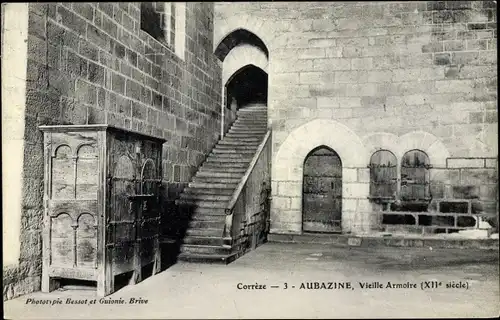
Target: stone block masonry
x,y
398,58
92,63
410,75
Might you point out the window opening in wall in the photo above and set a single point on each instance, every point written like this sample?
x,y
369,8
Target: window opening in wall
x,y
383,175
180,29
166,22
415,177
151,20
407,203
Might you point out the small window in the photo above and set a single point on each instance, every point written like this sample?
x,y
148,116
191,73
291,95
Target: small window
x,y
180,29
166,22
415,176
151,20
383,175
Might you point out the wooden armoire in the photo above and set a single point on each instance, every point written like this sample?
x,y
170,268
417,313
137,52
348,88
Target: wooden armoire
x,y
102,205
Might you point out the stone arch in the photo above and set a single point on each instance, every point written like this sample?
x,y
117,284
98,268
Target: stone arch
x,y
428,143
302,140
287,172
241,56
257,27
420,140
236,38
243,67
381,140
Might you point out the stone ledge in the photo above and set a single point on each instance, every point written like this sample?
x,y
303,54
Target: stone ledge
x,y
372,241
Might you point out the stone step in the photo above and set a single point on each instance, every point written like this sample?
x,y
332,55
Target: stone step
x,y
205,197
202,203
232,142
201,213
211,214
218,150
254,106
252,120
228,160
245,124
244,127
233,167
225,165
250,125
212,185
197,249
256,118
204,232
207,258
209,191
216,180
226,155
235,147
243,140
204,240
217,224
252,111
254,114
214,215
244,134
260,123
220,174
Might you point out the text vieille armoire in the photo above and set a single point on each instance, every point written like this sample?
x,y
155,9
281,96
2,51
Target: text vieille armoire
x,y
102,204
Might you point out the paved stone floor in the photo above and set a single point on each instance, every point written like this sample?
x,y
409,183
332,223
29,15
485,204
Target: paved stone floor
x,y
210,291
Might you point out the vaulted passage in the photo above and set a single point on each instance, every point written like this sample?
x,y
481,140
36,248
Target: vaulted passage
x,y
247,86
322,191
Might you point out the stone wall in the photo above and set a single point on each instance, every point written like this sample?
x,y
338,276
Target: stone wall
x,y
92,63
395,75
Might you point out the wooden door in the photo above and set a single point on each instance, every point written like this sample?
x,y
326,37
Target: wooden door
x,y
121,220
322,191
149,217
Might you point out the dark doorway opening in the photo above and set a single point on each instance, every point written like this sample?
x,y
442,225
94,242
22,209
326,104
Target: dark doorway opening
x,y
247,86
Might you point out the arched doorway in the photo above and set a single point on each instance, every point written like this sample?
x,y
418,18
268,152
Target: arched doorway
x,y
322,191
245,58
247,86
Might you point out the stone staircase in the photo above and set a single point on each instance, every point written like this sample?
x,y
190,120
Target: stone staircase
x,y
211,189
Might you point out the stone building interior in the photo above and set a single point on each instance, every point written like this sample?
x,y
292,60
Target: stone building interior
x,y
138,134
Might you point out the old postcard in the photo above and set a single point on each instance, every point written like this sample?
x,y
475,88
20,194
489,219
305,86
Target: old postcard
x,y
168,160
